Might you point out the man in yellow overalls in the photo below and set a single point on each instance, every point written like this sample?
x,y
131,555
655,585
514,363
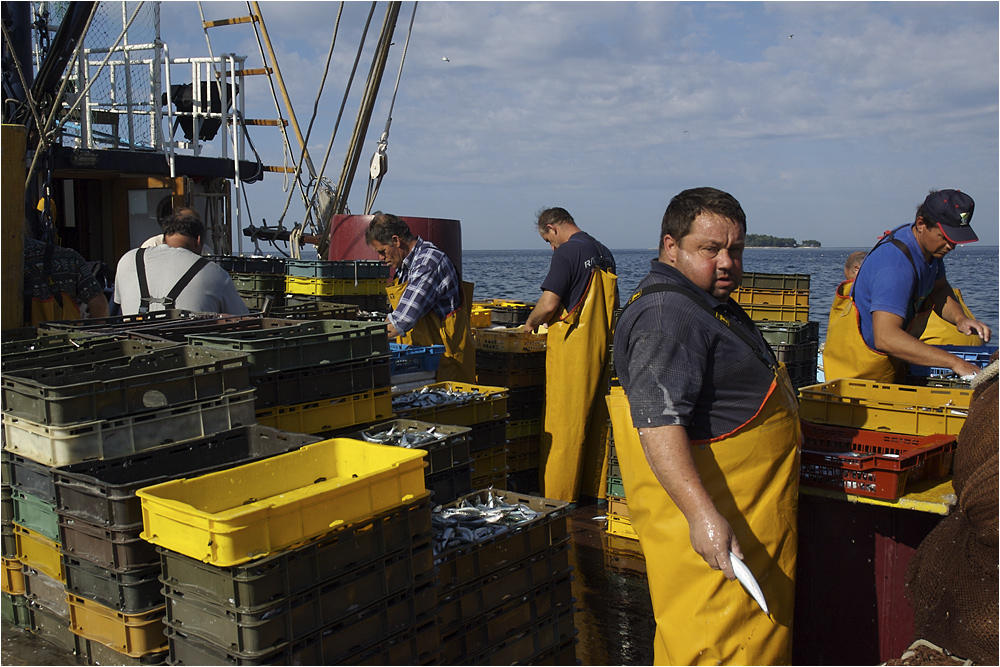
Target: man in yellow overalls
x,y
579,297
707,436
430,305
877,322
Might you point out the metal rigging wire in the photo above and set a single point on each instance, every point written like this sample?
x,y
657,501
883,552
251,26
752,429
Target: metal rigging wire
x,y
380,161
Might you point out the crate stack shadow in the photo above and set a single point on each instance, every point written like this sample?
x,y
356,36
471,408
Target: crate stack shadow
x,y
511,358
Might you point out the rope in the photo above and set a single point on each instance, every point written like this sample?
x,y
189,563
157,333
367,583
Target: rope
x,y
312,120
380,159
347,90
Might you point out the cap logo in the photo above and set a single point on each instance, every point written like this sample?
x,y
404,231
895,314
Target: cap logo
x,y
964,222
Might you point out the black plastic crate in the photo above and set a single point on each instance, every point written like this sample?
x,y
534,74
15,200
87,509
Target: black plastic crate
x,y
127,385
487,360
111,548
27,476
351,269
130,592
179,331
464,564
485,435
788,333
249,263
525,647
100,350
509,313
492,629
512,378
450,449
287,573
103,492
524,481
448,485
316,310
313,384
295,617
333,644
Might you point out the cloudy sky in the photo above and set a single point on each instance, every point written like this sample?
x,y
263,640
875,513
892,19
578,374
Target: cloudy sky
x,y
828,121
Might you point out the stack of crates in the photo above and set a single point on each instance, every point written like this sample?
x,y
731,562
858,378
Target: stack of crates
x,y
258,279
516,359
484,412
507,599
778,303
313,376
619,522
876,440
448,474
357,282
317,556
98,400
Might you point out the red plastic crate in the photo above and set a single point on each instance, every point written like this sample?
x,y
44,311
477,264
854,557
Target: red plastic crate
x,y
873,475
834,439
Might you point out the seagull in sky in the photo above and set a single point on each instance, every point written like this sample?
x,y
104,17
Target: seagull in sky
x,y
445,58
790,36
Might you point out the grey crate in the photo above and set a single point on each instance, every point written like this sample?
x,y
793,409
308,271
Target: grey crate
x,y
28,476
449,449
43,590
303,344
103,492
82,350
798,282
313,384
63,445
124,386
789,333
394,537
115,549
130,592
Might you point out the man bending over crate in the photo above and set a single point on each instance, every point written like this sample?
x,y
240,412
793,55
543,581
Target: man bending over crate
x,y
174,274
579,297
430,305
874,325
707,442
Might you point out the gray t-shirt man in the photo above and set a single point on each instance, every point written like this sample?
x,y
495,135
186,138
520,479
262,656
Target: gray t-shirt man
x,y
211,290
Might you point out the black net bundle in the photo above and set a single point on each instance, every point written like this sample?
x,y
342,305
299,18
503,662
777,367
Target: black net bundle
x,y
952,579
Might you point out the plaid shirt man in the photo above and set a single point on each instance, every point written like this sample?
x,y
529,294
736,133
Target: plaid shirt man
x,y
432,284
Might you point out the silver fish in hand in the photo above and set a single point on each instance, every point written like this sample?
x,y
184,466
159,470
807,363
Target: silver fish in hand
x,y
745,577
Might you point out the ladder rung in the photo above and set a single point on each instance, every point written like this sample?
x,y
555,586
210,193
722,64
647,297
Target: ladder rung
x,y
239,19
250,72
285,170
265,121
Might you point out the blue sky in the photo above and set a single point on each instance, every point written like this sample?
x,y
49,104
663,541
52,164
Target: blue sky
x,y
828,121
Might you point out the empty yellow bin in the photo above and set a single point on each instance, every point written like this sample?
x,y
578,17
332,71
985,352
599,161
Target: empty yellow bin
x,y
233,516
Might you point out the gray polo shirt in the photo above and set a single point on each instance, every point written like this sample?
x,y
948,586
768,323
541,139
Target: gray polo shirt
x,y
679,365
211,290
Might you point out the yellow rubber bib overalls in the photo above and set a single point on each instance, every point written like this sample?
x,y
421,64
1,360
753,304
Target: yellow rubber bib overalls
x,y
458,363
846,354
932,329
574,437
752,476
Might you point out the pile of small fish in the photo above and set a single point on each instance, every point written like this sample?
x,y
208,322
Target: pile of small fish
x,y
429,397
405,436
469,522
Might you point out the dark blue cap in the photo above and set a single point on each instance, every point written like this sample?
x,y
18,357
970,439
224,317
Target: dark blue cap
x,y
952,211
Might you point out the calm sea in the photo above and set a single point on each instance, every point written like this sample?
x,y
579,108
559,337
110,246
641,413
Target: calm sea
x,y
517,274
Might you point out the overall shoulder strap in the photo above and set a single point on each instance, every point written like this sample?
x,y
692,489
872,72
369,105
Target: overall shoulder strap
x,y
140,272
188,276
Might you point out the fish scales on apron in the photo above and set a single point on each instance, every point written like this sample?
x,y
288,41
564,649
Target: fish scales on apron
x,y
752,477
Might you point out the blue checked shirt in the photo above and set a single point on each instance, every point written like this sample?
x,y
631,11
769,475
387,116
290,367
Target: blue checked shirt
x,y
432,284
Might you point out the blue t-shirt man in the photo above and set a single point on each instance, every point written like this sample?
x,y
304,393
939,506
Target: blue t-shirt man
x,y
881,286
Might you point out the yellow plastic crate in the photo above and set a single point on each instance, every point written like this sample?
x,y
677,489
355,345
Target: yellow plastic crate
x,y
329,414
893,408
512,340
760,313
519,428
621,526
13,578
39,552
617,507
772,297
491,405
135,635
482,316
233,516
334,286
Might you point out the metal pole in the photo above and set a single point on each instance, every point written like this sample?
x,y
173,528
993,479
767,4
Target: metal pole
x,y
284,91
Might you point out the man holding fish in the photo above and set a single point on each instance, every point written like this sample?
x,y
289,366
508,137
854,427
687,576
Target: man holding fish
x,y
707,436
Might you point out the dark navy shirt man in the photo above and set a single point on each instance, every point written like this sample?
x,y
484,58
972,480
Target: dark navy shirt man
x,y
575,254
